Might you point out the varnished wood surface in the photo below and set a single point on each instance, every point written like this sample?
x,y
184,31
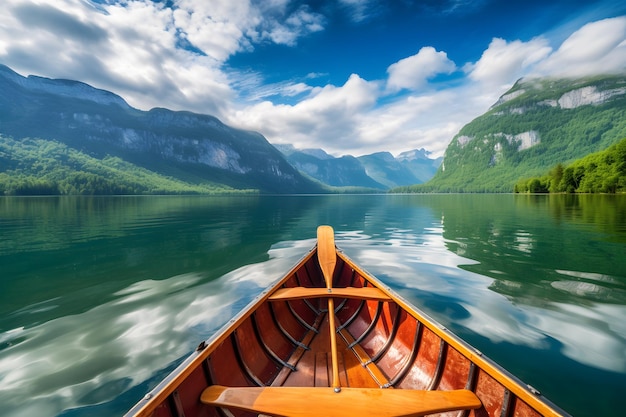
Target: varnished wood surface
x,y
326,253
297,293
327,258
314,402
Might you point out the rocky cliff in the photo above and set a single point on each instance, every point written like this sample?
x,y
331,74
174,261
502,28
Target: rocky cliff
x,y
184,145
537,124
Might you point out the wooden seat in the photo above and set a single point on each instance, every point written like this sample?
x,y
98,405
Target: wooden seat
x,y
313,402
295,293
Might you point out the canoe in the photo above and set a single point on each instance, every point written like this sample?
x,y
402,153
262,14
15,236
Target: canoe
x,y
329,339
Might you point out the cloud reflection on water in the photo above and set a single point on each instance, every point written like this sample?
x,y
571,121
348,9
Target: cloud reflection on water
x,y
425,272
93,357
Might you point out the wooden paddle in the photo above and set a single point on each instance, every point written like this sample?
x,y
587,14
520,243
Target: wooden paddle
x,y
327,257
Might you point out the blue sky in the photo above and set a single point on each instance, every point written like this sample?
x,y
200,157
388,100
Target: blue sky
x,y
348,76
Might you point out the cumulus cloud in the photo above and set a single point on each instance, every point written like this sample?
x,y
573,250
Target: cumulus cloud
x,y
300,23
598,47
413,72
503,62
214,27
349,119
412,123
329,117
57,22
128,48
221,28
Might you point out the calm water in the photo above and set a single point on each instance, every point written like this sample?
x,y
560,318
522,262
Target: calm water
x,y
101,297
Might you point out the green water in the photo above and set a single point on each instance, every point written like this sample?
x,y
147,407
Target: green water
x,y
100,297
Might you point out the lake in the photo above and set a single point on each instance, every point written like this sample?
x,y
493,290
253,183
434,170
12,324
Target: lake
x,y
100,297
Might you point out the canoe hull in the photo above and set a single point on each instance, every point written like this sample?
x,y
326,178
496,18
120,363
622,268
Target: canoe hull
x,y
382,342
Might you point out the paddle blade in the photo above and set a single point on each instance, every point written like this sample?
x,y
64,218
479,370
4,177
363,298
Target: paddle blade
x,y
326,253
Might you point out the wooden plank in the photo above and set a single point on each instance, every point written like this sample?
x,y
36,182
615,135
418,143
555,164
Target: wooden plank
x,y
343,375
313,402
294,360
322,361
297,293
321,369
365,360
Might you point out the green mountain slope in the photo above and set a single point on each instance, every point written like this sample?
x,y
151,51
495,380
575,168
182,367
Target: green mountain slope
x,y
42,167
537,124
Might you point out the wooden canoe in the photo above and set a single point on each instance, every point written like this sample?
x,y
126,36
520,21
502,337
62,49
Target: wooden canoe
x,y
329,339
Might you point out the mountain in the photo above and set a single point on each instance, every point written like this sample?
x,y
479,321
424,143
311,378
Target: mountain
x,y
411,167
379,171
188,147
534,126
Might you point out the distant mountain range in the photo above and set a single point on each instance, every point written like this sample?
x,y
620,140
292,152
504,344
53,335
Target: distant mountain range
x,y
66,137
379,171
125,150
534,126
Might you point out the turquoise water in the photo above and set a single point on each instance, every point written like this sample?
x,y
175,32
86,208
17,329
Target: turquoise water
x,y
101,297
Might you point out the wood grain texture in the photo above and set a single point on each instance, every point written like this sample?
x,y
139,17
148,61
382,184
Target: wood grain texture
x,y
313,402
297,293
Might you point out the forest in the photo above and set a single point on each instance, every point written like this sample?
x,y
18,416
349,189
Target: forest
x,y
44,167
600,172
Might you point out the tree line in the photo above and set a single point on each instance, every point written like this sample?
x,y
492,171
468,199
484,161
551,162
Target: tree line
x,y
600,172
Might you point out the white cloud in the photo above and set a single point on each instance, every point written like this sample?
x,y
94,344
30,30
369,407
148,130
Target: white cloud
x,y
413,72
598,47
329,117
221,28
349,118
215,27
503,62
417,121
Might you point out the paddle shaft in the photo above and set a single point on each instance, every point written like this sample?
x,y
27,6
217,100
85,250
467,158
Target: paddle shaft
x,y
333,343
327,258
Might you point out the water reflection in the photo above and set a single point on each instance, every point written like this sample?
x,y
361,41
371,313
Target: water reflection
x,y
95,356
81,251
429,277
100,297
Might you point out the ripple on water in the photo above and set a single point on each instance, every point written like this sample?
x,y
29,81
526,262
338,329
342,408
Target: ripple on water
x,y
593,287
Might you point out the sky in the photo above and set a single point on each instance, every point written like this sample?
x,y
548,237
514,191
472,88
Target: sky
x,y
348,76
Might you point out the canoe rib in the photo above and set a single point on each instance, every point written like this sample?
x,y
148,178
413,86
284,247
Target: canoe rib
x,y
313,402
